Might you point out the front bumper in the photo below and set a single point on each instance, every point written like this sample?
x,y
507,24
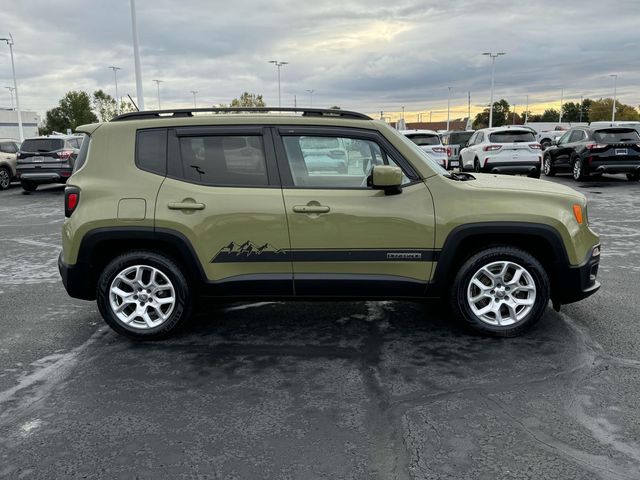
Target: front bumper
x,y
574,283
76,280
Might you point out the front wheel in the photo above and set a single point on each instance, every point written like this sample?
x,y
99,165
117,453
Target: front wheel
x,y
578,170
143,295
501,291
548,169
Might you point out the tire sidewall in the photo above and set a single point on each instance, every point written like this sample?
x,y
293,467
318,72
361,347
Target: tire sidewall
x,y
8,173
181,310
471,266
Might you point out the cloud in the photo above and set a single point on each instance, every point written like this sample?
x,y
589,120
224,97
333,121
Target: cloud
x,y
365,55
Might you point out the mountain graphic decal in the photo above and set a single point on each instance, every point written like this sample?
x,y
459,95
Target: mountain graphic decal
x,y
250,252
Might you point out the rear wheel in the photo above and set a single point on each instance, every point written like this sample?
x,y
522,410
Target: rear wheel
x,y
501,291
549,171
534,174
28,186
476,166
5,178
633,177
545,143
578,169
143,295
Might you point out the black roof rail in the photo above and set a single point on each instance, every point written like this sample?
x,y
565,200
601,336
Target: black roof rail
x,y
188,112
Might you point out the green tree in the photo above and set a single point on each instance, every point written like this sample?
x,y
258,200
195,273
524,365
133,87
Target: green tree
x,y
104,105
501,115
248,100
550,115
73,109
601,111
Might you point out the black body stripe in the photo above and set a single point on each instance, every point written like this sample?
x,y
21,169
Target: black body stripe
x,y
337,255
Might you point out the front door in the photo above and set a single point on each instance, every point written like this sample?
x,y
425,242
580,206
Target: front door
x,y
348,239
222,192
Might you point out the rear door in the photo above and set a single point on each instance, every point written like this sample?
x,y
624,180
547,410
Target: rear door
x,y
222,193
346,238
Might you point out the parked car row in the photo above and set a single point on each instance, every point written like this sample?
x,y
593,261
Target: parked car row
x,y
601,147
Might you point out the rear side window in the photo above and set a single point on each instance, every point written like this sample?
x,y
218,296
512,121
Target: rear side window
x,y
512,137
151,150
617,135
82,154
425,139
220,160
34,145
8,147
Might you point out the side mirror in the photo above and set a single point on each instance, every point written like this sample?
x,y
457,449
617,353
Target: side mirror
x,y
387,178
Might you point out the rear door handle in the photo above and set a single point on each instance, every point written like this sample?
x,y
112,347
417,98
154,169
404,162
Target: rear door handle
x,y
311,209
185,206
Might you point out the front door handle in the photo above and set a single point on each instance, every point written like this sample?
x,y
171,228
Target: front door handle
x,y
185,206
311,209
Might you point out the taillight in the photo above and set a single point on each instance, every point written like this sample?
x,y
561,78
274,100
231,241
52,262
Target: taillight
x,y
534,146
71,200
439,149
449,152
65,154
594,146
492,148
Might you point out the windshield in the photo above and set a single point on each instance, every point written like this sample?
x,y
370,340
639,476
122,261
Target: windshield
x,y
510,136
616,135
421,153
424,139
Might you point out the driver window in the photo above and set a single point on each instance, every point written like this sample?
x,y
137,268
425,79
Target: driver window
x,y
564,138
333,162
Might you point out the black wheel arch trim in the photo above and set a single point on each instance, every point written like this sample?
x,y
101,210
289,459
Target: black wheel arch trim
x,y
451,249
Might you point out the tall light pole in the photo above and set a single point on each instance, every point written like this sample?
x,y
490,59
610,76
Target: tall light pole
x,y
115,78
136,56
448,107
580,113
469,105
279,64
526,111
15,85
195,105
561,100
310,97
493,71
158,82
11,89
615,85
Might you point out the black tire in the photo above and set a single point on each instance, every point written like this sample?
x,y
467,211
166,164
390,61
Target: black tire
x,y
28,186
5,178
577,169
547,166
476,166
460,305
633,177
535,174
544,144
181,310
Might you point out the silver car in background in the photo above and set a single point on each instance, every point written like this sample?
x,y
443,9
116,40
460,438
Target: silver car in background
x,y
430,142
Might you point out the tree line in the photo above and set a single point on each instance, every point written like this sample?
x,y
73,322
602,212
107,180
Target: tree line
x,y
589,111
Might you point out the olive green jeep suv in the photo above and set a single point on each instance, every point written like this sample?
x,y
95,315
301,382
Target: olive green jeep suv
x,y
164,206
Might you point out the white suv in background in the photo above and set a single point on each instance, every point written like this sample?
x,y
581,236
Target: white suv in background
x,y
430,142
509,149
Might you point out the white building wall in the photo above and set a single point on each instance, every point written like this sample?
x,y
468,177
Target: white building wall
x,y
9,124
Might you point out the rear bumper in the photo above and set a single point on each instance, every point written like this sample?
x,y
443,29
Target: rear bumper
x,y
574,283
76,280
529,166
44,175
613,166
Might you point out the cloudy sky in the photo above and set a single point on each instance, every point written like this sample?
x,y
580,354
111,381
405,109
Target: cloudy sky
x,y
366,55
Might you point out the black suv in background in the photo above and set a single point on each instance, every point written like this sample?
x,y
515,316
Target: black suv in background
x,y
47,160
585,150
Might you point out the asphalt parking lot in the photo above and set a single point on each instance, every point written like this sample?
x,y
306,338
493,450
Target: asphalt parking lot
x,y
317,390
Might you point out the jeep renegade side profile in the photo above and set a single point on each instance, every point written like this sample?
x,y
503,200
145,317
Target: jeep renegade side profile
x,y
166,206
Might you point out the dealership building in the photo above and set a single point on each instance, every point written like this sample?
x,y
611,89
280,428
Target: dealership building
x,y
9,124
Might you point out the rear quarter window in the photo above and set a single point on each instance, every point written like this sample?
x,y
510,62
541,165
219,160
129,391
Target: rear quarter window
x,y
151,150
82,154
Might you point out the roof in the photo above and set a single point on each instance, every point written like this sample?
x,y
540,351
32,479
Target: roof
x,y
505,128
410,132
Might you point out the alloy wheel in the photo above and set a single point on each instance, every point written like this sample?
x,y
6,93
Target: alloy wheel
x,y
501,293
142,297
5,179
